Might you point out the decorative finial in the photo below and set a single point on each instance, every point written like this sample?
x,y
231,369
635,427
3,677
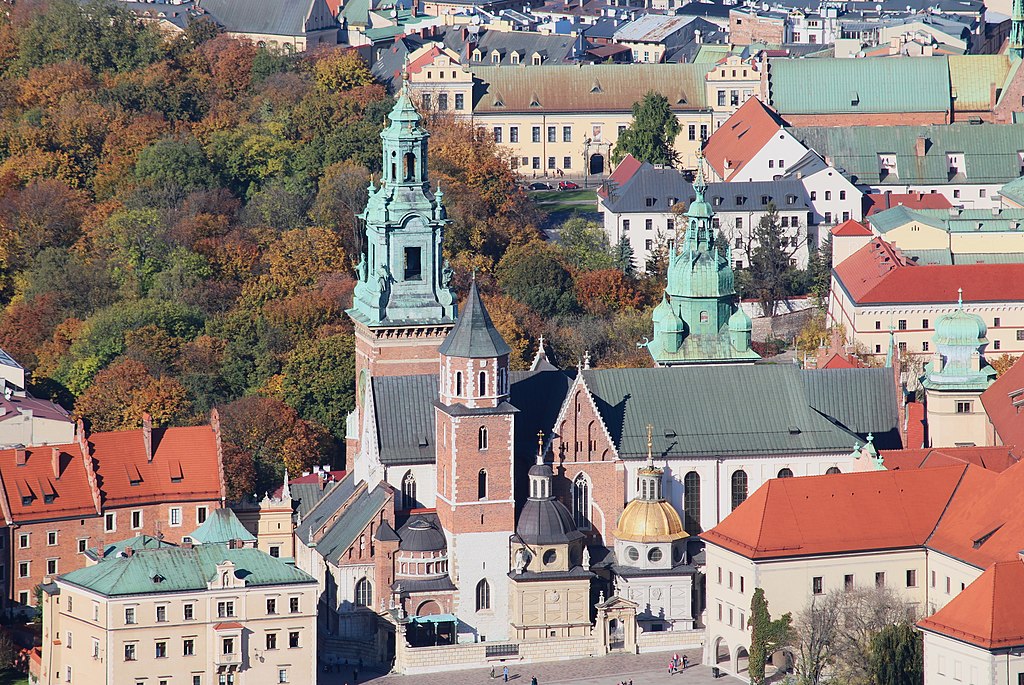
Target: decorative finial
x,y
650,445
871,437
699,184
960,297
540,447
586,359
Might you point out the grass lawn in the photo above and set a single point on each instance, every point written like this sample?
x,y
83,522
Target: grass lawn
x,y
545,197
13,678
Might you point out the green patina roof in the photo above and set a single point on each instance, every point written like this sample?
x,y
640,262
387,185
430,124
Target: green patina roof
x,y
1014,191
889,219
221,526
178,569
990,151
707,411
972,78
136,543
842,86
941,257
952,221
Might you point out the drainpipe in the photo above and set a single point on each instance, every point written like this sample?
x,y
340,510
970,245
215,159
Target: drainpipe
x,y
718,491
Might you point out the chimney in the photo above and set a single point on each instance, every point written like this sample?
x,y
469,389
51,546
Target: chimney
x,y
147,435
128,552
186,545
920,146
55,462
20,456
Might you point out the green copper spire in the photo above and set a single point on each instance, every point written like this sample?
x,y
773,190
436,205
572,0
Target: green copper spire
x,y
958,363
1016,48
403,278
696,322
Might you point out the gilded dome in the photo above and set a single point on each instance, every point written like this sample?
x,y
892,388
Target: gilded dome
x,y
645,520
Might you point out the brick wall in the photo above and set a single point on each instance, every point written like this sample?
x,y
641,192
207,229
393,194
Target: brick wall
x,y
745,29
868,119
417,660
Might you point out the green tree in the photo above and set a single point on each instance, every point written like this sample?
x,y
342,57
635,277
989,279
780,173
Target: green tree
x,y
770,262
177,162
766,635
534,275
819,269
585,244
651,135
623,257
897,656
319,381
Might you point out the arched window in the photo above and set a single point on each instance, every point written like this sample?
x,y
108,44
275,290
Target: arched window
x,y
739,487
785,473
832,470
691,502
481,438
481,389
703,317
458,384
410,166
364,593
483,595
581,502
408,491
481,484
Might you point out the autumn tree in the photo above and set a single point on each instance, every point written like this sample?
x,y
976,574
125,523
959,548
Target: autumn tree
x,y
605,291
319,381
585,244
1003,362
342,195
121,393
340,69
651,136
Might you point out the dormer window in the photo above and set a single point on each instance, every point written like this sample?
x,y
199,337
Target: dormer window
x,y
887,165
791,199
537,60
514,58
955,162
740,200
495,57
650,201
478,56
716,200
26,500
765,199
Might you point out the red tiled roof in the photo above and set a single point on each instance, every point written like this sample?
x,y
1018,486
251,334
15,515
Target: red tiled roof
x,y
624,171
839,360
878,273
228,625
877,202
184,465
995,459
741,137
999,400
424,59
33,491
915,424
851,228
989,613
797,516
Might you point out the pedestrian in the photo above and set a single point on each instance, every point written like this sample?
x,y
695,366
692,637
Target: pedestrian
x,y
671,666
355,676
686,661
675,658
504,673
492,671
533,680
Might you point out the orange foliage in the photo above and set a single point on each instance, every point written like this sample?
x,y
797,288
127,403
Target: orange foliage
x,y
46,86
27,325
123,391
601,292
49,353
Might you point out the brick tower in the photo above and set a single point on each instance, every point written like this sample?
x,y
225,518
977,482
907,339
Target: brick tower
x,y
402,305
475,504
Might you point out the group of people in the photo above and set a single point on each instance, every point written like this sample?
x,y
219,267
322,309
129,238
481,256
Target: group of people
x,y
675,663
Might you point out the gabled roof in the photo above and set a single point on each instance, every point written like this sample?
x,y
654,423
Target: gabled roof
x,y
1004,404
221,525
1014,191
862,400
877,202
354,517
185,465
879,509
652,28
33,490
989,613
270,17
136,543
995,459
623,172
851,228
474,335
741,137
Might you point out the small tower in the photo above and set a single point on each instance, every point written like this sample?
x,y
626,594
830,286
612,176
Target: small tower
x,y
474,493
955,378
402,305
694,324
1016,44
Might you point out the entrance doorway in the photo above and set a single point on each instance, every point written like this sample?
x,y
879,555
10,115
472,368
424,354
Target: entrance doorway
x,y
596,164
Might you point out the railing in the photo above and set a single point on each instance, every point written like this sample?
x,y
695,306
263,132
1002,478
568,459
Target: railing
x,y
502,649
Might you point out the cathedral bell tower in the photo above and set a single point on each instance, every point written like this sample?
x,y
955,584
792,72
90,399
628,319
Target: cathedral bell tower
x,y
474,469
402,305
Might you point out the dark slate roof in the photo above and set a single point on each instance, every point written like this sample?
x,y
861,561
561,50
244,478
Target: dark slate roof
x,y
705,9
861,400
308,495
404,407
474,335
667,186
272,17
546,522
422,533
385,533
356,516
714,410
442,584
325,506
571,574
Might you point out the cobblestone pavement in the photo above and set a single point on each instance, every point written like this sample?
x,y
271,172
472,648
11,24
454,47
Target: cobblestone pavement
x,y
642,669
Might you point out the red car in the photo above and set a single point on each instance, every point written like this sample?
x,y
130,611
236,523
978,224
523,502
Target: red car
x,y
568,185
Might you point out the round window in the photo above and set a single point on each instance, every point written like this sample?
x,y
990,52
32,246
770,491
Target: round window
x,y
549,557
654,555
632,554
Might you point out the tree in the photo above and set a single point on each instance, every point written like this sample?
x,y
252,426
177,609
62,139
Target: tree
x,y
816,628
178,162
585,244
623,257
534,275
651,135
1003,362
121,393
770,254
656,267
340,197
766,635
340,69
602,292
897,656
819,267
319,381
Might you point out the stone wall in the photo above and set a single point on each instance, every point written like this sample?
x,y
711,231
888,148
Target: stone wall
x,y
410,661
667,641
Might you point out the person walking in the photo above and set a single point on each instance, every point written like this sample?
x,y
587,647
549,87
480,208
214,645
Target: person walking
x,y
492,671
504,673
533,680
686,662
671,666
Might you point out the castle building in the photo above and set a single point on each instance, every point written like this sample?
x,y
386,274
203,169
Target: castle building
x,y
698,321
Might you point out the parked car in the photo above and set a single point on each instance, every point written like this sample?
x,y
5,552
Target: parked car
x,y
568,185
539,186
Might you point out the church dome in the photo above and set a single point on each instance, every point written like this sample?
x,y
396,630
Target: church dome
x,y
546,522
960,328
662,310
645,520
421,535
739,321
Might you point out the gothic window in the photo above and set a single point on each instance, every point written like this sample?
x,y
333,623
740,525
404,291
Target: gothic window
x,y
581,502
691,501
482,438
364,593
483,595
739,487
832,470
458,383
481,389
481,484
785,473
408,491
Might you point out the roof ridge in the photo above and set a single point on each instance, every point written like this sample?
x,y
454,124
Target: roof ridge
x,y
945,508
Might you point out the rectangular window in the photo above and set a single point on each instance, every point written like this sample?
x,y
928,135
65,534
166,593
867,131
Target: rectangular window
x,y
848,581
23,598
625,224
460,101
814,195
282,675
83,544
51,538
947,585
924,346
997,344
188,647
189,611
225,609
648,224
161,650
911,577
95,648
785,222
552,134
691,132
161,613
648,245
23,569
551,162
293,639
271,640
513,134
69,640
413,267
719,612
51,567
228,645
275,551
567,134
995,322
129,652
730,580
23,541
721,98
175,516
129,616
924,323
730,615
703,131
842,194
880,579
816,585
536,163
426,101
963,407
136,519
741,585
1020,334
271,605
201,514
442,100
293,605
497,134
902,324
536,134
567,163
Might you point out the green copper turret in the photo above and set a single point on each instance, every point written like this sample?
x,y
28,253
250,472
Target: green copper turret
x,y
403,278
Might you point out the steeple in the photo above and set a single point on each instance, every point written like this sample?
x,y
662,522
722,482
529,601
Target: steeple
x,y
474,335
474,359
1016,48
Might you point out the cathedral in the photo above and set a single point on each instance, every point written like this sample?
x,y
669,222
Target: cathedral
x,y
492,512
